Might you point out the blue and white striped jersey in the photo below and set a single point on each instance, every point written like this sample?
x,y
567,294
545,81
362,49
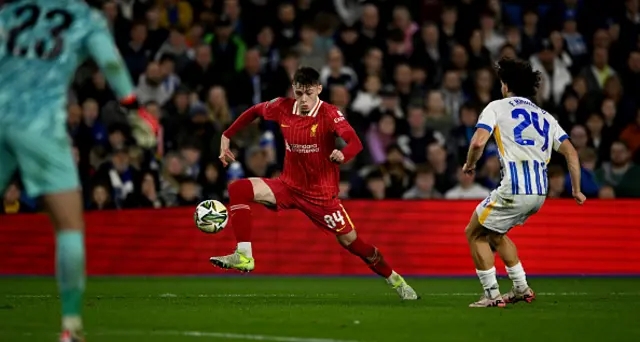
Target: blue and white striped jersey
x,y
526,135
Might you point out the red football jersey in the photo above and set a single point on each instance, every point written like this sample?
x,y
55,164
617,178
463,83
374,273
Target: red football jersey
x,y
309,141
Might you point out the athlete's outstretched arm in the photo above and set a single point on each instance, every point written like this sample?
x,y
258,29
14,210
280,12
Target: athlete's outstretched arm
x,y
103,50
478,142
573,163
245,119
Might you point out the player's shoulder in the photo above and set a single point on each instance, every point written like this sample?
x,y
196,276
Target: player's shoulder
x,y
329,110
497,105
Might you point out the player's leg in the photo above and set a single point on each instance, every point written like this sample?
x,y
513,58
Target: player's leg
x,y
374,259
484,261
509,255
335,219
48,171
242,193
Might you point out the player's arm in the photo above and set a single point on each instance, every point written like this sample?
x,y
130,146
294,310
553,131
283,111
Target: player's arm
x,y
562,144
246,118
484,128
344,130
267,110
103,50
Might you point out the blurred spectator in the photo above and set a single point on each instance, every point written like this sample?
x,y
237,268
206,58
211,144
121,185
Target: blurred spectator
x,y
531,38
156,35
369,97
557,178
479,55
231,9
286,27
176,48
375,186
370,28
150,87
598,71
227,48
136,53
100,198
390,104
397,172
121,179
467,188
313,50
437,117
380,136
576,45
173,170
483,83
403,83
620,173
579,137
402,20
460,137
269,54
453,95
445,172
11,201
631,135
199,75
491,170
170,80
588,183
430,52
568,113
96,88
423,187
600,142
213,183
175,13
336,73
188,194
372,65
492,39
554,73
218,109
557,43
418,135
250,84
350,43
150,197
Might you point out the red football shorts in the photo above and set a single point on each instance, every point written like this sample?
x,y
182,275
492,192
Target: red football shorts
x,y
330,217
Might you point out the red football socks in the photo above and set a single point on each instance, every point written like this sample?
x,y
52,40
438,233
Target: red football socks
x,y
370,255
240,195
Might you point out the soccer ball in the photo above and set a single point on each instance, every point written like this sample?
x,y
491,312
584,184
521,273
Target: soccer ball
x,y
211,216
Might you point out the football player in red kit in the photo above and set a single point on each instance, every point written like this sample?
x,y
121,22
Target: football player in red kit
x,y
309,181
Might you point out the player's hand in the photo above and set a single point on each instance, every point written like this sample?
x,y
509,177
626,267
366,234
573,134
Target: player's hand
x,y
579,197
337,157
225,152
468,169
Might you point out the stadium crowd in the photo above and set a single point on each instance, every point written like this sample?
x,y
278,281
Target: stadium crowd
x,y
410,76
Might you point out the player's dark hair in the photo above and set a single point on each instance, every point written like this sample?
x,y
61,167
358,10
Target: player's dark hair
x,y
519,77
306,76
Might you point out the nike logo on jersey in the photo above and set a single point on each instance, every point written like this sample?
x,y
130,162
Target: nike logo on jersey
x,y
283,125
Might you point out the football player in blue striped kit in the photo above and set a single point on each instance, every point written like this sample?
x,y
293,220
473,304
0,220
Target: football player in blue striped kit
x,y
525,135
42,42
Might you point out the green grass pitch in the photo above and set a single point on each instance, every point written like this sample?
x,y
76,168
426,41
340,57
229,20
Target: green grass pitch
x,y
254,308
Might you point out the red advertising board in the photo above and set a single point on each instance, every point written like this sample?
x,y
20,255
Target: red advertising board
x,y
417,238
